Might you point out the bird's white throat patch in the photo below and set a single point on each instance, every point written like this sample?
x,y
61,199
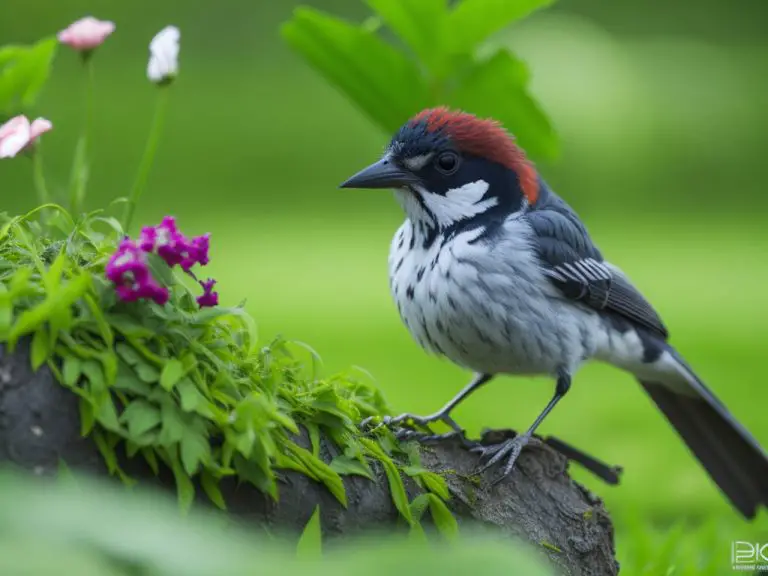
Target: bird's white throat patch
x,y
443,210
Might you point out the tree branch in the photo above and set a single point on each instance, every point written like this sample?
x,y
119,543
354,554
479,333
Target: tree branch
x,y
539,503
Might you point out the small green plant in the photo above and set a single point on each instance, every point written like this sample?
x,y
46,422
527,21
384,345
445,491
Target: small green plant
x,y
439,56
162,371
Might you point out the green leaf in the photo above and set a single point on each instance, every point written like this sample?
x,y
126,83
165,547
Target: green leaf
x,y
128,353
146,372
24,73
39,350
87,417
129,328
106,415
473,21
310,545
151,459
171,374
314,438
505,76
381,81
30,319
128,381
321,470
211,487
6,312
107,451
185,490
72,370
195,450
420,23
140,416
396,486
442,517
350,466
173,425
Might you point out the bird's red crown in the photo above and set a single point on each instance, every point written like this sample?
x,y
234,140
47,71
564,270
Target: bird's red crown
x,y
485,138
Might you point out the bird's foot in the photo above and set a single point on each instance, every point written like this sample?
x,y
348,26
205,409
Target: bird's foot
x,y
510,449
404,424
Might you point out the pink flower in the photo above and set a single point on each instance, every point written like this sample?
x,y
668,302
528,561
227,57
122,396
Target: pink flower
x,y
197,252
18,134
86,33
128,270
209,298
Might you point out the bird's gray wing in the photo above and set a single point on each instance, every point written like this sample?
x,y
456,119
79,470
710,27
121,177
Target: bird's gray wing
x,y
575,266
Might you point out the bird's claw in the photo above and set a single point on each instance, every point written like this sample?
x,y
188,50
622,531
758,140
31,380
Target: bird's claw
x,y
509,448
404,428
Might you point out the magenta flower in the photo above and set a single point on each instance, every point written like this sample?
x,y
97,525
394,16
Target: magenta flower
x,y
86,34
19,134
197,252
128,270
209,298
173,247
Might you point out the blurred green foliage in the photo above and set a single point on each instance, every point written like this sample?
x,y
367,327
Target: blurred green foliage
x,y
84,528
23,72
436,65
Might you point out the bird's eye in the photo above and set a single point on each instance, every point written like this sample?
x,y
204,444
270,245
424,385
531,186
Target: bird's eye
x,y
447,162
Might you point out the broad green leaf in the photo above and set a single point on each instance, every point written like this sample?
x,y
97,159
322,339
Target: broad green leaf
x,y
350,466
106,415
473,21
140,416
24,73
310,544
146,372
211,487
420,24
128,381
195,450
171,374
95,375
39,350
381,81
496,88
173,425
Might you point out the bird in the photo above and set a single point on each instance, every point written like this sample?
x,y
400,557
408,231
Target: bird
x,y
494,271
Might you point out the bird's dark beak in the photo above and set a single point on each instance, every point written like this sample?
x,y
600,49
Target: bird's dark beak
x,y
382,174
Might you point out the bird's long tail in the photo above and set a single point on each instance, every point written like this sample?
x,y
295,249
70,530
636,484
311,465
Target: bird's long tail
x,y
728,452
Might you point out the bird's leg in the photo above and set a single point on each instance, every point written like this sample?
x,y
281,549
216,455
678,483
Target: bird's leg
x,y
511,448
442,415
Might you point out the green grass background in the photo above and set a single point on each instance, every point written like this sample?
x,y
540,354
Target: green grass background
x,y
662,116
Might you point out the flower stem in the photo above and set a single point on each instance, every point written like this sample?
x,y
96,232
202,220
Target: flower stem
x,y
39,176
149,156
79,176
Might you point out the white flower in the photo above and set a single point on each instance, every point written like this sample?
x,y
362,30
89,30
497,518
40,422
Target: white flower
x,y
164,55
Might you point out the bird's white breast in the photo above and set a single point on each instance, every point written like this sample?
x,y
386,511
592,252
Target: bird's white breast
x,y
484,305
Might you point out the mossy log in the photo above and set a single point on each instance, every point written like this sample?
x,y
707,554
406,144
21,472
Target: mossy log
x,y
539,503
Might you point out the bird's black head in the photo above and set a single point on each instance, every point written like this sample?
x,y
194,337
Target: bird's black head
x,y
451,167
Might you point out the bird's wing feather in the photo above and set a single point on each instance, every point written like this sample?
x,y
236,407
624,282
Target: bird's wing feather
x,y
575,266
